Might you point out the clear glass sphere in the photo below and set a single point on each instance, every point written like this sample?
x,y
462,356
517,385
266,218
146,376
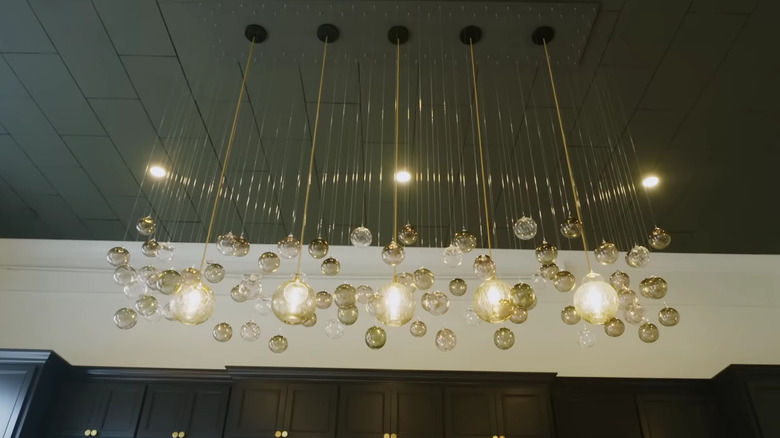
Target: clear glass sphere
x,y
659,238
263,306
493,301
619,280
347,315
277,344
546,253
155,317
549,271
146,305
250,331
406,278
484,267
564,281
538,280
627,298
408,235
330,266
446,339
345,295
397,304
222,332
614,327
293,301
571,228
289,247
135,289
240,247
426,301
118,256
149,275
653,287
334,329
634,314
146,226
393,254
465,241
525,228
318,248
150,248
269,262
595,300
504,338
458,287
638,256
376,337
124,275
648,332
585,338
214,273
251,286
236,295
311,322
668,317
166,252
523,296
225,243
452,256
418,329
375,305
519,316
125,318
570,316
363,293
439,303
361,237
190,276
194,304
470,316
167,312
169,282
323,299
606,253
423,278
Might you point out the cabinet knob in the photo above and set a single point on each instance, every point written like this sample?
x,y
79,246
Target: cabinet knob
x,y
393,435
181,434
386,435
86,432
93,432
284,434
176,435
277,434
495,436
501,436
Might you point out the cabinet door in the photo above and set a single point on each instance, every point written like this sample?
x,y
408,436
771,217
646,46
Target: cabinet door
x,y
206,417
604,415
677,416
256,409
469,413
766,406
417,412
310,411
524,412
165,410
364,411
112,409
14,383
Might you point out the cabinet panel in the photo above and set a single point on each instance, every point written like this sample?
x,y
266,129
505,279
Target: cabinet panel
x,y
673,416
256,409
207,415
364,411
165,410
311,410
605,416
418,412
469,413
14,382
524,413
110,408
766,406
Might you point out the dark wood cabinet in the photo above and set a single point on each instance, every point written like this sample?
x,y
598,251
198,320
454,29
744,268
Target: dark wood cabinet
x,y
595,413
765,397
677,416
15,380
197,409
394,410
110,409
522,411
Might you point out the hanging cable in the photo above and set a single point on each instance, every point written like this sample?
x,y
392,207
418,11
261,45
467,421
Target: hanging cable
x,y
481,153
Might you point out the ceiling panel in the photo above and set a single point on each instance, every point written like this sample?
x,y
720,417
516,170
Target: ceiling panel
x,y
724,6
652,132
10,85
105,229
19,171
135,28
20,30
79,191
129,209
103,164
58,215
31,131
14,210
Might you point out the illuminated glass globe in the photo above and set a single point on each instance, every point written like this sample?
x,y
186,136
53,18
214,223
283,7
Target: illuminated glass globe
x,y
452,256
606,253
393,254
595,300
397,304
493,301
289,247
524,228
293,301
361,237
194,304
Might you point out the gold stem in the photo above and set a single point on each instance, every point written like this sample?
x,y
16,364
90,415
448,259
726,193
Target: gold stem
x,y
481,154
227,154
311,158
397,111
568,160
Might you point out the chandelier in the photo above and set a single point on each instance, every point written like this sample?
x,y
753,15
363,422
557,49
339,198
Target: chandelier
x,y
543,174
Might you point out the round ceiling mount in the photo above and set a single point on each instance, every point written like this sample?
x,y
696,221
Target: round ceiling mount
x,y
543,34
327,33
470,35
255,33
398,35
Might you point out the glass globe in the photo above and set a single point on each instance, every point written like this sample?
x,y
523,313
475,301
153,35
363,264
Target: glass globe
x,y
293,301
572,228
471,318
659,238
214,273
169,282
423,278
614,327
289,247
524,228
484,267
595,300
145,226
439,303
251,286
427,301
619,280
330,266
653,287
150,248
397,304
408,235
277,344
236,295
363,293
493,301
393,254
375,305
549,271
318,248
564,281
585,338
311,321
149,275
538,280
190,276
523,296
465,241
194,304
418,329
361,237
446,340
118,256
323,299
570,316
250,331
668,317
627,298
334,329
376,337
504,338
606,253
347,315
638,256
345,295
166,252
125,318
124,275
240,247
648,332
406,278
269,262
519,316
222,332
135,289
167,312
225,243
634,314
146,305
154,317
546,253
452,256
458,287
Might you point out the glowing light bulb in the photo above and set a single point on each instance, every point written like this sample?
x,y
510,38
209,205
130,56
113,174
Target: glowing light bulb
x,y
650,181
158,171
595,300
403,176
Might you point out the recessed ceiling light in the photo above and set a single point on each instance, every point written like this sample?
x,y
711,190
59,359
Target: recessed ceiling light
x,y
650,181
403,176
157,171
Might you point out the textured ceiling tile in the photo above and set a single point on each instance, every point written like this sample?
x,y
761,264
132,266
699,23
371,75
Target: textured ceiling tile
x,y
58,215
136,28
102,229
723,6
10,86
18,171
76,188
20,30
102,162
33,133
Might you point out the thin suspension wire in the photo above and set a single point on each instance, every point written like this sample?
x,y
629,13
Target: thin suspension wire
x,y
481,153
397,111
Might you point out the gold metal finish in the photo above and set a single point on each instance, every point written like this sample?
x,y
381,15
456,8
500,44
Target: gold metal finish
x,y
86,432
495,436
93,432
393,435
181,434
176,435
502,436
481,153
277,434
386,435
284,434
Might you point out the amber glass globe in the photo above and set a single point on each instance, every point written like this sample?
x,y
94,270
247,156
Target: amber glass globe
x,y
595,300
493,301
294,301
194,304
397,304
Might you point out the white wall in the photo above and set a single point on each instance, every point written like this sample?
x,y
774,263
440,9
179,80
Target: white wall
x,y
59,295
